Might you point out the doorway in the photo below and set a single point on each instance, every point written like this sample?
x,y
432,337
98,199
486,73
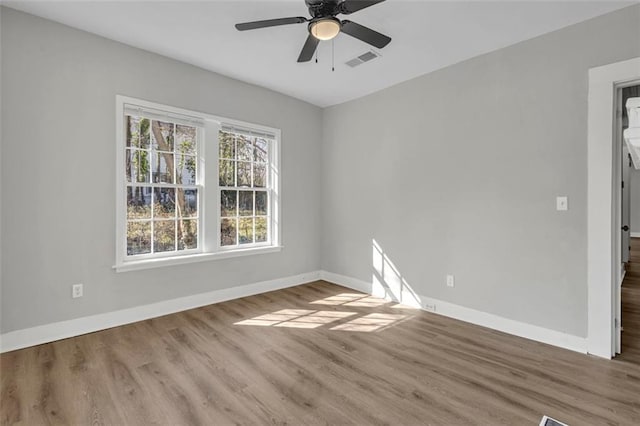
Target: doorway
x,y
604,254
630,230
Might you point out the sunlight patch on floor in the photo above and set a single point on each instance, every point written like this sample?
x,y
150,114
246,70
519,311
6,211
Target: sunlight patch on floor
x,y
296,318
370,322
310,319
315,319
339,299
369,301
352,299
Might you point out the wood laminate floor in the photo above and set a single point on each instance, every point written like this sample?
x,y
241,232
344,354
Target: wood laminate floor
x,y
631,305
314,354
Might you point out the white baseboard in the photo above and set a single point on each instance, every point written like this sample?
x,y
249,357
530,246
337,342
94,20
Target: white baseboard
x,y
348,282
495,322
64,329
635,234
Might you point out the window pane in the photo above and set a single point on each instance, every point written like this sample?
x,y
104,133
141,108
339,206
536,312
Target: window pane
x,y
245,230
133,131
187,234
186,171
261,203
261,229
164,235
259,175
186,140
227,146
260,151
145,133
164,202
244,174
246,203
162,135
228,232
187,202
227,173
137,165
162,167
163,211
138,202
228,203
138,237
244,148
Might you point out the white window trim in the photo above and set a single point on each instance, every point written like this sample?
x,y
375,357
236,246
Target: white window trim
x,y
270,176
208,239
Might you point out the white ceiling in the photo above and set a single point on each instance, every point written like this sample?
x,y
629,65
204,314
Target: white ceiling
x,y
426,35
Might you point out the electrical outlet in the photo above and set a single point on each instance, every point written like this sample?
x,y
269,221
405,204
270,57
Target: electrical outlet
x,y
76,291
430,308
450,281
562,203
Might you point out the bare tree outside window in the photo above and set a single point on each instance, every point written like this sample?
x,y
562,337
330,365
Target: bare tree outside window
x,y
244,194
162,192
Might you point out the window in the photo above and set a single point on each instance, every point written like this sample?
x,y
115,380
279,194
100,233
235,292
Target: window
x,y
244,193
192,186
162,185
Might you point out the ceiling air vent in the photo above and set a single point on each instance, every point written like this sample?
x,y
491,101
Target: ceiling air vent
x,y
365,57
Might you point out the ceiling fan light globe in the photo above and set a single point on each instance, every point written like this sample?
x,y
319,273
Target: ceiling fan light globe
x,y
325,29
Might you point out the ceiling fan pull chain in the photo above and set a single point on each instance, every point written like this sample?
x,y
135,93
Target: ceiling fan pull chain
x,y
333,55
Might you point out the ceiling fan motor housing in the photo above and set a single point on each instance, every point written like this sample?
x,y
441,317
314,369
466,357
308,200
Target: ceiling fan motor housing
x,y
323,8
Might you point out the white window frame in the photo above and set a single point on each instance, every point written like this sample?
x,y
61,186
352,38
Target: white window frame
x,y
209,245
272,172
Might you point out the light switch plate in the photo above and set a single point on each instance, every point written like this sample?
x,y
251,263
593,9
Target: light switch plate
x,y
562,203
450,281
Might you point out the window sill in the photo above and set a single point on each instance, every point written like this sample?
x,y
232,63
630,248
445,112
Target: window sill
x,y
137,265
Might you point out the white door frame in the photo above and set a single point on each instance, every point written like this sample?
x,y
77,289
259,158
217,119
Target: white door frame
x,y
603,236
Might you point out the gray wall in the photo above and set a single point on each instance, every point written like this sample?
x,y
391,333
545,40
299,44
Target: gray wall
x,y
453,172
58,108
456,172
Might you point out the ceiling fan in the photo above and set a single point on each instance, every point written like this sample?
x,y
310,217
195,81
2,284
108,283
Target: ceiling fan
x,y
323,24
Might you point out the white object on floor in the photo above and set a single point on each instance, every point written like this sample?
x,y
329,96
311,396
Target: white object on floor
x,y
548,421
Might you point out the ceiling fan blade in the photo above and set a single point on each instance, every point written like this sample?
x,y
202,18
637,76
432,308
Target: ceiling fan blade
x,y
365,34
308,49
269,23
347,7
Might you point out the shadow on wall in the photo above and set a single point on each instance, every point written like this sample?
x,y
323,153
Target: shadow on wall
x,y
388,282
